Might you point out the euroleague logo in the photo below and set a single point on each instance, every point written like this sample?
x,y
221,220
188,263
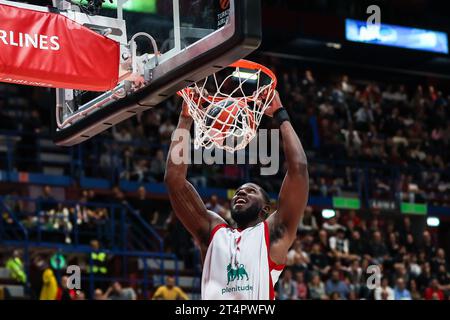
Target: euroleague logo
x,y
224,4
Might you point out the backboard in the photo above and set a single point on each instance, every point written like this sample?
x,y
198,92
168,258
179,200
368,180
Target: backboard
x,y
193,39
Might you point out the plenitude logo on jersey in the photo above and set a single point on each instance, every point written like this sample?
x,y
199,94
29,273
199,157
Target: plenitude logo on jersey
x,y
236,274
25,40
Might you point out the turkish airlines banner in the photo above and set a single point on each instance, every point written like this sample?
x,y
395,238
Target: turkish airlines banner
x,y
50,50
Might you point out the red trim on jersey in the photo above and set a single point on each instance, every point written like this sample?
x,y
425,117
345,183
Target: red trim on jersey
x,y
215,229
272,265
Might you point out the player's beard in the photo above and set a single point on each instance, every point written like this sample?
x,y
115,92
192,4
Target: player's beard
x,y
245,216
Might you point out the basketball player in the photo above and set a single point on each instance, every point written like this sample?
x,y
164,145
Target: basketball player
x,y
243,263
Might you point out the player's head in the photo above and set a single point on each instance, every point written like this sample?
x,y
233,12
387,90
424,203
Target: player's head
x,y
250,203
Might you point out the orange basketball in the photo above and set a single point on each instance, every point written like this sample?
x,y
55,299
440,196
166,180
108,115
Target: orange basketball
x,y
228,115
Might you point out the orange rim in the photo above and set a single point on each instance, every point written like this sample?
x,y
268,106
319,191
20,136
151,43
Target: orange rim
x,y
246,64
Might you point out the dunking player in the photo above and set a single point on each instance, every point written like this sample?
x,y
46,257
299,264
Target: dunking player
x,y
243,263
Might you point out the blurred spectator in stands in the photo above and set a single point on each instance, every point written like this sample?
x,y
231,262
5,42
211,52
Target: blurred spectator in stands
x,y
331,225
165,131
158,166
415,292
47,201
363,117
339,245
317,288
16,267
377,248
433,292
60,219
80,295
410,244
355,276
323,241
384,292
98,264
99,295
444,279
297,258
308,80
287,288
170,291
49,285
425,277
319,260
143,206
439,260
400,291
302,287
334,284
64,293
308,222
117,292
214,205
121,134
393,246
357,246
140,171
427,245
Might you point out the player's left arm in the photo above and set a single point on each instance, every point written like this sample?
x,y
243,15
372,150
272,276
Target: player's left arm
x,y
293,195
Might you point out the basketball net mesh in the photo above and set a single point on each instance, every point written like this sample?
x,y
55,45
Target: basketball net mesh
x,y
228,121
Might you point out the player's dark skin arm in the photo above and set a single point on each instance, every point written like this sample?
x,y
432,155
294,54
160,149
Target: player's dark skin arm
x,y
186,202
293,195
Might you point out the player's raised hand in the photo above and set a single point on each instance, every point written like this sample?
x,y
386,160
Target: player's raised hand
x,y
195,96
274,102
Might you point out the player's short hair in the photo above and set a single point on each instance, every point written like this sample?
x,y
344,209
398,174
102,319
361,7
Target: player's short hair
x,y
265,194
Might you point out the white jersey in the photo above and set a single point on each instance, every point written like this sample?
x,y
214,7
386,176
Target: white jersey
x,y
237,265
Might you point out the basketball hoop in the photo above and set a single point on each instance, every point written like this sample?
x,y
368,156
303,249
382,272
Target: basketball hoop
x,y
229,115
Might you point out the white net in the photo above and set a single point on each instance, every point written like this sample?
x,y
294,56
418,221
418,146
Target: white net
x,y
224,113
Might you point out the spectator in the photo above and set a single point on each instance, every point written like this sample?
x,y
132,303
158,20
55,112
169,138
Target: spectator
x,y
16,268
64,293
287,288
47,202
158,166
439,260
143,206
117,292
433,292
302,287
170,291
377,248
415,293
296,256
318,260
316,288
214,205
332,226
49,285
308,222
384,292
99,295
400,291
339,245
428,246
335,285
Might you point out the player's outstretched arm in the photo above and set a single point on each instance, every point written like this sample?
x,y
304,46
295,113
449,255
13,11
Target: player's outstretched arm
x,y
293,195
186,202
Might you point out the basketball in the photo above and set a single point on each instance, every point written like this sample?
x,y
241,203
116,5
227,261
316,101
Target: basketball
x,y
226,117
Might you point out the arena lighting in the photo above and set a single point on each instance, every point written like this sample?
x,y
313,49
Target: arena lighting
x,y
245,75
433,222
328,213
334,45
